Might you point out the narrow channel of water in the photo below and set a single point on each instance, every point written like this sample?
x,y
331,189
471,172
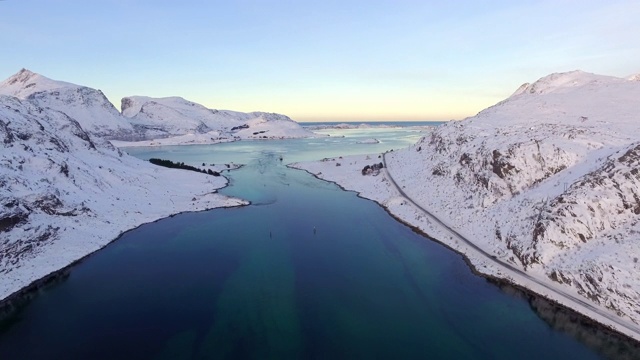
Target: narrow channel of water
x,y
307,271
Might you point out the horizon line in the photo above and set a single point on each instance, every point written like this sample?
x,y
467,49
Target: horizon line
x,y
368,121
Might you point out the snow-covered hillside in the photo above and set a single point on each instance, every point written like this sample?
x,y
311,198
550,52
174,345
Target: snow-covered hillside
x,y
152,117
175,116
88,106
65,193
547,180
144,118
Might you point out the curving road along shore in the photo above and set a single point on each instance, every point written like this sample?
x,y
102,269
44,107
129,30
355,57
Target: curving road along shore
x,y
557,294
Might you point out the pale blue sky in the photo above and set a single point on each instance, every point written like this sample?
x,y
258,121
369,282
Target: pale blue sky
x,y
319,60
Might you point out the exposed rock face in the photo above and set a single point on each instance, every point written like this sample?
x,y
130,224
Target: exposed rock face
x,y
38,147
499,164
635,77
548,180
581,215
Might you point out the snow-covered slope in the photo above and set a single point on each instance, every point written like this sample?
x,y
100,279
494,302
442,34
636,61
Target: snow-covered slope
x,y
145,118
86,105
165,117
65,193
175,116
547,180
565,82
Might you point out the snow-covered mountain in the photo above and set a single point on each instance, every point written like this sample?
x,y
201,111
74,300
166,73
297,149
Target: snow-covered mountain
x,y
65,193
165,117
547,180
565,82
86,105
174,116
145,118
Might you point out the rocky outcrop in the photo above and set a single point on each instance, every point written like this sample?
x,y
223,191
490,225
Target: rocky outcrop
x,y
601,200
37,151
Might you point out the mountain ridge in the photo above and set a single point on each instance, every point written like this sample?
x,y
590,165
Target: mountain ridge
x,y
179,116
88,106
146,118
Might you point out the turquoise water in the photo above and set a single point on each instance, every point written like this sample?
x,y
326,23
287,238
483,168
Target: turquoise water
x,y
307,271
334,143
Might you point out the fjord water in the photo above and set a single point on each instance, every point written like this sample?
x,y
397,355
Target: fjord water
x,y
306,271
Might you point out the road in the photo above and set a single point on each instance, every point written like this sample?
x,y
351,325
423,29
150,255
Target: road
x,y
633,331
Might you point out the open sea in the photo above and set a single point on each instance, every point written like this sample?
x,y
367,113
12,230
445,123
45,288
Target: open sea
x,y
373,123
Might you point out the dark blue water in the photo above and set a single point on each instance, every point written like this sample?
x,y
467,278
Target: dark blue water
x,y
308,271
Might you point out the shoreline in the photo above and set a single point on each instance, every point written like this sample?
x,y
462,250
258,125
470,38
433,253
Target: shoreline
x,y
157,142
78,252
588,327
605,326
13,301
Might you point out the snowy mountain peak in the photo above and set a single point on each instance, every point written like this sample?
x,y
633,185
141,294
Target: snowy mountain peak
x,y
560,82
21,76
25,83
89,107
635,77
522,89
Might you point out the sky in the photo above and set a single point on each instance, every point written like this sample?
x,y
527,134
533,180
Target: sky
x,y
319,60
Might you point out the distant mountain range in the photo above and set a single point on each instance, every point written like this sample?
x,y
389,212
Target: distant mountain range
x,y
145,118
165,117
